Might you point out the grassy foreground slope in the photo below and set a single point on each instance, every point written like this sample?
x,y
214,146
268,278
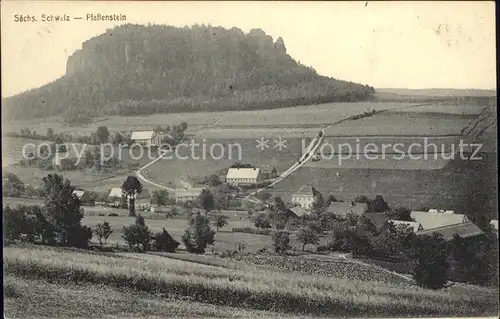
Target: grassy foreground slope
x,y
250,287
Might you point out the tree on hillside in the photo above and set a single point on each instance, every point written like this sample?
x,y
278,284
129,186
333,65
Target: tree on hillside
x,y
220,221
264,195
159,197
63,212
318,206
379,205
164,242
306,236
130,188
102,134
12,187
198,235
261,221
138,234
50,134
206,201
281,241
103,231
432,268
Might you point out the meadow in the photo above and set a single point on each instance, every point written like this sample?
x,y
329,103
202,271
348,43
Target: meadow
x,y
154,279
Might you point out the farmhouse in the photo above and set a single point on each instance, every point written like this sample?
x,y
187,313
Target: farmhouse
x,y
464,230
430,220
244,176
304,196
187,194
268,172
344,208
146,138
415,226
142,200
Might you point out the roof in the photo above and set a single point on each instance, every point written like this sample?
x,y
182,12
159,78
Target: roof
x,y
464,230
441,211
413,225
305,190
243,173
494,223
343,208
433,220
188,192
78,193
299,211
117,192
142,135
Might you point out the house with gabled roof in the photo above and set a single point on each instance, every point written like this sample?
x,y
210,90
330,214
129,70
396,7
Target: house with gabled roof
x,y
414,226
464,230
244,176
345,208
187,194
84,197
299,211
305,196
146,138
430,220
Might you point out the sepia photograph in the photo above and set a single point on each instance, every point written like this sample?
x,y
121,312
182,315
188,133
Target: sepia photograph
x,y
253,159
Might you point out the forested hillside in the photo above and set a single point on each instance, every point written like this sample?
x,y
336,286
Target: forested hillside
x,y
134,69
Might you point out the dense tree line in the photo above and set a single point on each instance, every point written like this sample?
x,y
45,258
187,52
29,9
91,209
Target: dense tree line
x,y
135,69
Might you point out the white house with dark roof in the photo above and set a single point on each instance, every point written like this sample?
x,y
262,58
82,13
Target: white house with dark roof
x,y
187,194
146,138
243,176
304,196
430,220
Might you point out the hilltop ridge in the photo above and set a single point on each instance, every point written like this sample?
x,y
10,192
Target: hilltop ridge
x,y
135,69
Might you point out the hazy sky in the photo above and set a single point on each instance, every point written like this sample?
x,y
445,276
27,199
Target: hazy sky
x,y
391,45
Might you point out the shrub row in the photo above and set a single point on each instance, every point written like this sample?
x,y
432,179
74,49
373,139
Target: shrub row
x,y
250,230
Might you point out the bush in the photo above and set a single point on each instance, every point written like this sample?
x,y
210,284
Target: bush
x,y
103,231
432,268
198,235
101,214
137,234
281,242
164,242
112,215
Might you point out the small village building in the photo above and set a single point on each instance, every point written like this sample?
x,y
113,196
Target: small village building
x,y
142,200
305,196
344,208
464,230
430,220
187,194
244,176
269,172
146,138
414,226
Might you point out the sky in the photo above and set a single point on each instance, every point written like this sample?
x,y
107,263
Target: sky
x,y
383,44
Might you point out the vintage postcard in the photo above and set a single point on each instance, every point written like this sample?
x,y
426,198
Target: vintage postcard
x,y
249,159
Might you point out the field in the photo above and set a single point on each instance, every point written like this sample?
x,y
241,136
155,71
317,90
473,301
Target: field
x,y
207,286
